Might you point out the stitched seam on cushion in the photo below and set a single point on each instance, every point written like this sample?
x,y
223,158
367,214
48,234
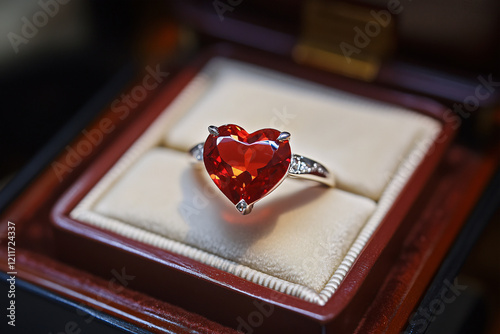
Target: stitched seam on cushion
x,y
153,137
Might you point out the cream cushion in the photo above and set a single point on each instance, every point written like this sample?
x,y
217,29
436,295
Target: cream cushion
x,y
362,141
279,238
304,237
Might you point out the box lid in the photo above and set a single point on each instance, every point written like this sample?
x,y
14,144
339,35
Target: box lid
x,y
443,49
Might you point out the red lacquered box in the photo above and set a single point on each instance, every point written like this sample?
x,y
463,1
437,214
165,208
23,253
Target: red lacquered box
x,y
224,297
170,291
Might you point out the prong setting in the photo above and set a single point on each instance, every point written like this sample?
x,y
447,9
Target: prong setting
x,y
226,156
243,207
284,136
214,131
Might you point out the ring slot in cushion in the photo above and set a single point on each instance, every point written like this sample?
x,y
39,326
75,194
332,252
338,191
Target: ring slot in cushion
x,y
362,141
303,238
280,238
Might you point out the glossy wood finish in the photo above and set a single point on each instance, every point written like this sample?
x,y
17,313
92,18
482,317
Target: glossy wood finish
x,y
188,279
379,292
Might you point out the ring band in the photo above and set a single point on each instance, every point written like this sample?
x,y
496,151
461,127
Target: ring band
x,y
247,167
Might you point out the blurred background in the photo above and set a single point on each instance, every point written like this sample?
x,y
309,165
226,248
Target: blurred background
x,y
55,56
57,71
63,62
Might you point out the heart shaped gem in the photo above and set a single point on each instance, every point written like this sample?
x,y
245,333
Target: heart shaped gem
x,y
246,166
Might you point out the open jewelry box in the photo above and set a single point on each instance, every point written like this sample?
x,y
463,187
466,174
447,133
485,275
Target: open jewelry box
x,y
306,250
308,259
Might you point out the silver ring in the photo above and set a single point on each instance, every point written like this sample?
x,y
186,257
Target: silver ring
x,y
247,167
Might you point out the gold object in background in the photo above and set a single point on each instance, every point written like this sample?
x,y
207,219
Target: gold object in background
x,y
348,39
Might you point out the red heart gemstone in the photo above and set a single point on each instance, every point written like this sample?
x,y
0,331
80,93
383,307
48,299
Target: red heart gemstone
x,y
246,166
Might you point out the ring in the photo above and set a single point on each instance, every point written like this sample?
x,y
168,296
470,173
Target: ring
x,y
246,167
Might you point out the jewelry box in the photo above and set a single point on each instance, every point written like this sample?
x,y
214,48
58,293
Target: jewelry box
x,y
301,253
137,231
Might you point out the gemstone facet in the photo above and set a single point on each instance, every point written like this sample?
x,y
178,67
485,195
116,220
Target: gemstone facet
x,y
246,166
